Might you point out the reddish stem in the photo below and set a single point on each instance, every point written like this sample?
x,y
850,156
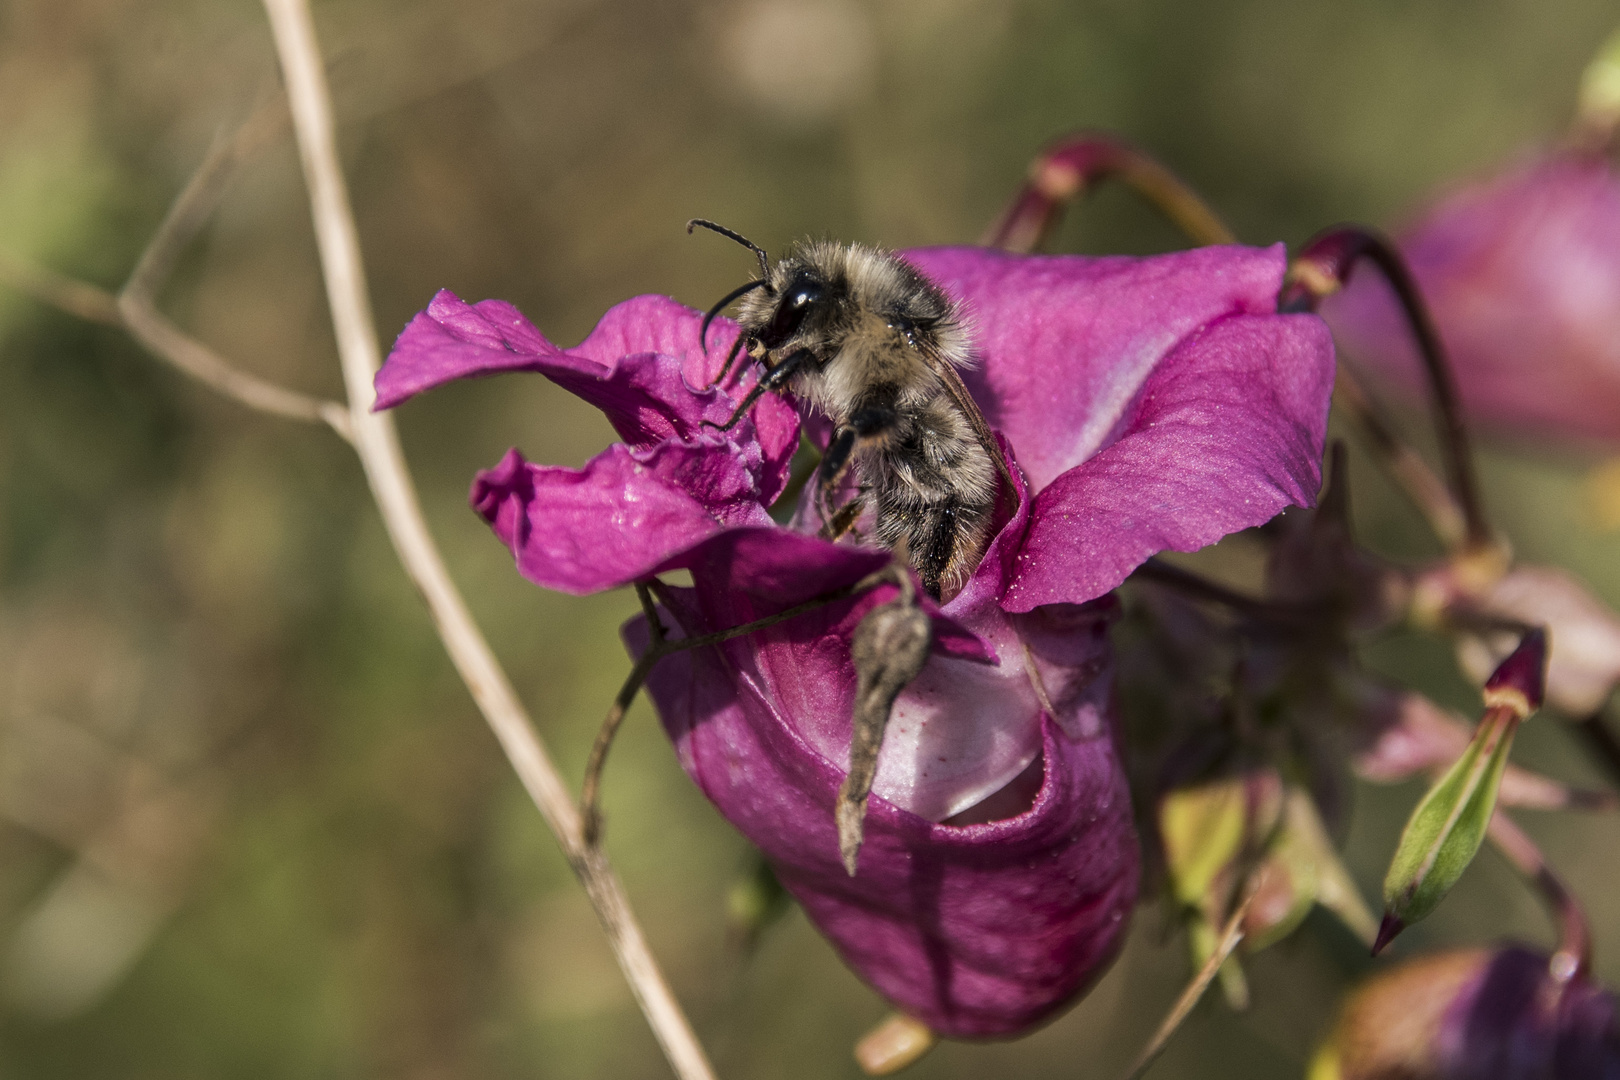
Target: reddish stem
x,y
1323,268
1574,954
1073,165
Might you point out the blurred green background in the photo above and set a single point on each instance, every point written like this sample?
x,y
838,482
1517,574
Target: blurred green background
x,y
250,822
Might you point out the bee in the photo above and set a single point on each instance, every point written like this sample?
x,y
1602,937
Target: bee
x,y
865,338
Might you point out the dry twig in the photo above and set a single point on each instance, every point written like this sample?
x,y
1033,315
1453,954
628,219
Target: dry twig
x,y
1231,936
377,442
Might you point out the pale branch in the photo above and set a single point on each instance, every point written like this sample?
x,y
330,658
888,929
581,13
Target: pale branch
x,y
75,297
165,340
377,443
169,343
197,202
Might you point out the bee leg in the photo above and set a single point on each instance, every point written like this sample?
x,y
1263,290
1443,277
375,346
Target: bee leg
x,y
843,519
935,545
868,425
834,464
773,379
725,368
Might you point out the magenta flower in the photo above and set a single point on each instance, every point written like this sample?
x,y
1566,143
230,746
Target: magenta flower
x,y
1522,275
1144,404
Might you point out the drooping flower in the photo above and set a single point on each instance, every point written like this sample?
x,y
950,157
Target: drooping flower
x,y
1475,1014
1522,275
1144,404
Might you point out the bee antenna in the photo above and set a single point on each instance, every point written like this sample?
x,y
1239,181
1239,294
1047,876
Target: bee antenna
x,y
703,334
764,260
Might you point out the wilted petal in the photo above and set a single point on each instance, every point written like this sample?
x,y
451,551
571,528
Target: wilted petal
x,y
977,930
1227,431
642,366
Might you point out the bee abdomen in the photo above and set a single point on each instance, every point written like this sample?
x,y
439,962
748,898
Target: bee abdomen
x,y
945,538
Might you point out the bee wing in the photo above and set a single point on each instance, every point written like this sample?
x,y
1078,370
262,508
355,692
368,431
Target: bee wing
x,y
958,392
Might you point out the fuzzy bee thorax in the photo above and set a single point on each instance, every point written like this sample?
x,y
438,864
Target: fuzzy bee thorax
x,y
864,338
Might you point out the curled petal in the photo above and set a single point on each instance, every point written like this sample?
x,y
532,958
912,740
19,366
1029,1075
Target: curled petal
x,y
1068,344
977,930
750,573
1227,431
642,366
618,519
961,730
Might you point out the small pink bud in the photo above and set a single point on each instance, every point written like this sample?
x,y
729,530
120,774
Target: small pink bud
x,y
1519,682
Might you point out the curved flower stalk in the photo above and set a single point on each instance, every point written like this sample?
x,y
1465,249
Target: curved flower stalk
x,y
1143,404
1477,592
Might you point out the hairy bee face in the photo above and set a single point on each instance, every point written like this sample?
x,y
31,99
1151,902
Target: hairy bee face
x,y
864,317
821,290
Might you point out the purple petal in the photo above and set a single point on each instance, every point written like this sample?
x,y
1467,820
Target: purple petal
x,y
642,366
977,930
1477,1014
456,340
619,518
1511,1023
1069,343
1226,432
756,572
959,733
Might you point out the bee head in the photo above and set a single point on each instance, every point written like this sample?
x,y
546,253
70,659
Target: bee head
x,y
813,298
795,307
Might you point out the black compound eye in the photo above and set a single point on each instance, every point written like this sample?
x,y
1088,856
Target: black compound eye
x,y
796,304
